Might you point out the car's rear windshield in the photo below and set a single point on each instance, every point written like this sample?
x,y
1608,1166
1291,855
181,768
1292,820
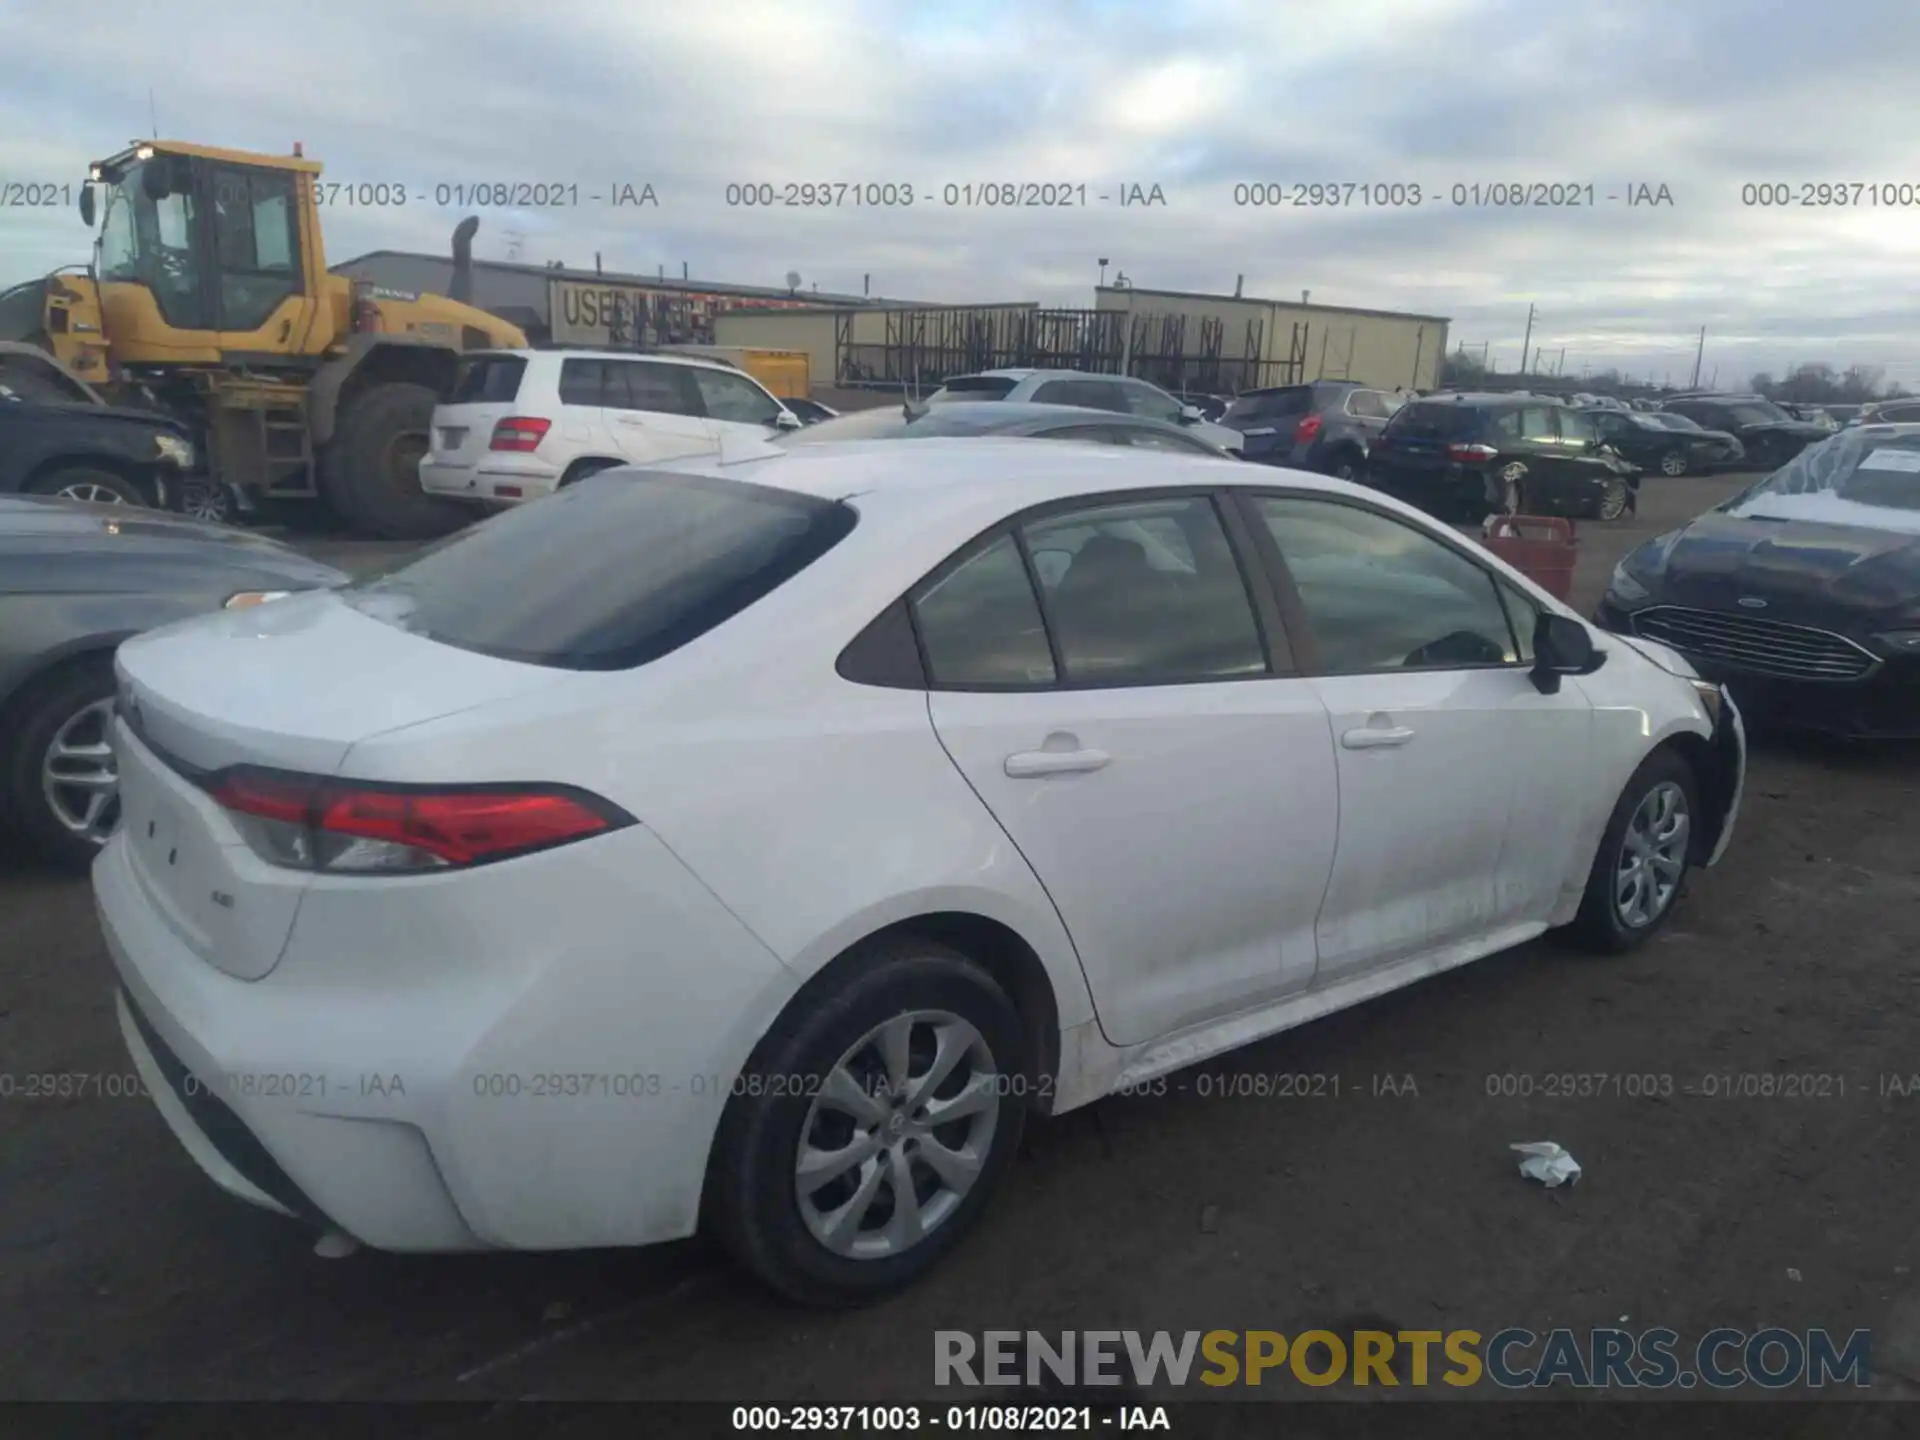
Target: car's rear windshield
x,y
609,573
973,387
1854,478
1434,420
488,380
1271,404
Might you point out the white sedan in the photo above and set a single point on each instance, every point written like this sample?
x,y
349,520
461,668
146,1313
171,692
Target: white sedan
x,y
757,844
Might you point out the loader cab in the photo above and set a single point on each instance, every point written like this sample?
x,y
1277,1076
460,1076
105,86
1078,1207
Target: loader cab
x,y
206,256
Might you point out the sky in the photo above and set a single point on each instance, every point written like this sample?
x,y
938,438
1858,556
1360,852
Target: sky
x,y
1215,102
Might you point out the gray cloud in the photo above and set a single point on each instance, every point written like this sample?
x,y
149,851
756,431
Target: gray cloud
x,y
1197,97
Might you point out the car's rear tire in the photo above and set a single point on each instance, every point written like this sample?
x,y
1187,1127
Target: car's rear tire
x,y
1675,463
827,1081
89,483
1644,855
69,709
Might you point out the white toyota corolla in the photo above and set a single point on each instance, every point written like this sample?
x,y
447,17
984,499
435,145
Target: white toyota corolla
x,y
757,844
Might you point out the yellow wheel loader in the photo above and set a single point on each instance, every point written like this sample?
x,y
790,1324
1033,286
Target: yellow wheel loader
x,y
208,297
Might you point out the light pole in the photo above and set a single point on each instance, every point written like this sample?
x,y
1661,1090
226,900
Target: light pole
x,y
1103,272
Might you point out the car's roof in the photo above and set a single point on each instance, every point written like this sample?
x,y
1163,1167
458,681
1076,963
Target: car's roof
x,y
1004,414
959,468
1030,372
572,353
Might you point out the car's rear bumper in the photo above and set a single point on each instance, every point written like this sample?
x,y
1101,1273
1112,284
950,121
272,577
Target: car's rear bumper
x,y
467,1072
489,484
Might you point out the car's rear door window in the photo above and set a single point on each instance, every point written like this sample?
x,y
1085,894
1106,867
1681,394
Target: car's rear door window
x,y
584,382
980,623
1145,593
607,574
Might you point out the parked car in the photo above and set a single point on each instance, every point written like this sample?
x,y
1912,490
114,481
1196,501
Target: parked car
x,y
845,807
1121,394
1770,436
1802,592
1661,443
75,580
1813,415
1463,455
1887,412
59,437
1013,419
1211,407
1328,425
520,424
810,412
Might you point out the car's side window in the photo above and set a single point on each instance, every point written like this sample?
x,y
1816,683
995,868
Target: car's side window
x,y
980,623
1144,439
1107,395
1536,423
1380,595
660,389
735,398
1367,404
1145,592
1088,434
1147,400
583,382
1061,392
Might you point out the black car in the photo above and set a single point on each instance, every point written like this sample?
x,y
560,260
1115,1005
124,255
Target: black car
x,y
1460,456
1802,593
1004,417
1670,444
1327,426
1770,436
57,437
76,580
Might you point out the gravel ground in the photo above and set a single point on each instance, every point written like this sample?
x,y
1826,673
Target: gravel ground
x,y
127,1275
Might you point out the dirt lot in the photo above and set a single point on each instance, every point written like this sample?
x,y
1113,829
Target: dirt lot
x,y
125,1274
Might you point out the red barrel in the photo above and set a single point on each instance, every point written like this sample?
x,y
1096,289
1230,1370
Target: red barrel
x,y
1541,547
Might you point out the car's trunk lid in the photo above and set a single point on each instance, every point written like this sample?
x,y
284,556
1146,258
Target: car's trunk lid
x,y
289,685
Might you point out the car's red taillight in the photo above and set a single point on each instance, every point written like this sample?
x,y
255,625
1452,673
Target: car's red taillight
x,y
312,823
1472,454
520,433
1308,427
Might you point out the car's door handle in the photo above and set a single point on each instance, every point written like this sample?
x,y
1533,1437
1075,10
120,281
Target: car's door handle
x,y
1375,738
1031,764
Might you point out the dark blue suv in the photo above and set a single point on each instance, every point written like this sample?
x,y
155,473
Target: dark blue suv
x,y
1326,426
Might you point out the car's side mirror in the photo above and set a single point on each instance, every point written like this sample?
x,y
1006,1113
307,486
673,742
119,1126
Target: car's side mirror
x,y
1189,414
786,420
1562,646
86,204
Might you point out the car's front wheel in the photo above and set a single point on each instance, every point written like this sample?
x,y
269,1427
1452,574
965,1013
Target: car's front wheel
x,y
1674,463
1643,858
865,1136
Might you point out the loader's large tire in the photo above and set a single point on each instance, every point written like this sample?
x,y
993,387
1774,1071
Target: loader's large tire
x,y
370,472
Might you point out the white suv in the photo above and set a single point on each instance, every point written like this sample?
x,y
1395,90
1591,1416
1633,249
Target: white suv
x,y
522,423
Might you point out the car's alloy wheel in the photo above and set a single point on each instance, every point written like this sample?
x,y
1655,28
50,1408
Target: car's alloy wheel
x,y
80,777
1345,470
1613,500
91,493
1641,863
1652,856
896,1137
204,500
868,1130
1674,462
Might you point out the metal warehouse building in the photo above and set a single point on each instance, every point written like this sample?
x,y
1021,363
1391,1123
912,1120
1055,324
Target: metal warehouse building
x,y
1286,342
556,305
1184,341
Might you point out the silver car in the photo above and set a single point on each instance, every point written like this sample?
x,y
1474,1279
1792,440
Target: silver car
x,y
1120,394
